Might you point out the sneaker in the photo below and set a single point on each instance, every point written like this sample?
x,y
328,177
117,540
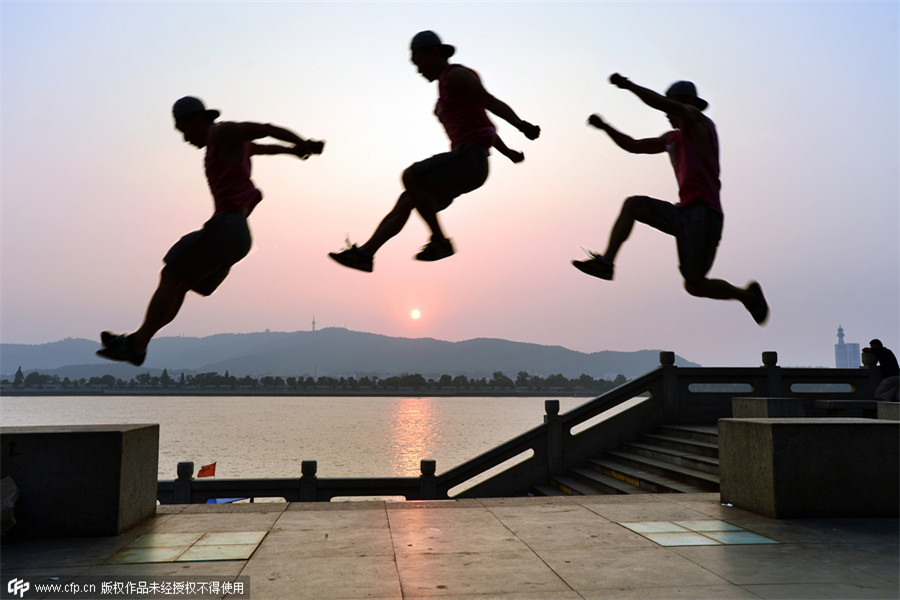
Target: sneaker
x,y
354,258
596,266
120,347
435,250
758,307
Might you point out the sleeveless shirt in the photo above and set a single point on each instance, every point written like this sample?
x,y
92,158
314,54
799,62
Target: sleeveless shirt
x,y
230,183
463,119
697,176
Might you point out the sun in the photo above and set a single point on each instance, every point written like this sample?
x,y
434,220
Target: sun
x,y
415,313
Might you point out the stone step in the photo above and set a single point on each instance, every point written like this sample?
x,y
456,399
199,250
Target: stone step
x,y
548,490
647,480
609,485
574,487
701,433
683,444
706,464
701,479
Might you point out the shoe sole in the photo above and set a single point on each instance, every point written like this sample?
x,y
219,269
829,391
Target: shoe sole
x,y
433,258
109,355
760,306
587,270
337,258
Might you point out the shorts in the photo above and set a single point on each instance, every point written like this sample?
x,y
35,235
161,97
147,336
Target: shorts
x,y
450,174
697,229
204,257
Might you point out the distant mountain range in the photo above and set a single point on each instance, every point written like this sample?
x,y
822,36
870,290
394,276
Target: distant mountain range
x,y
334,352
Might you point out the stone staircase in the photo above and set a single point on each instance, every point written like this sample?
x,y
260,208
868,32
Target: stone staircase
x,y
668,459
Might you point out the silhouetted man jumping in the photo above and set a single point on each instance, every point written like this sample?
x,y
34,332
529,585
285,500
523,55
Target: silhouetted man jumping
x,y
696,221
200,261
432,184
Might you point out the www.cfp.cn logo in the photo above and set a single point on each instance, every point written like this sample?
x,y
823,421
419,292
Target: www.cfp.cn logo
x,y
18,587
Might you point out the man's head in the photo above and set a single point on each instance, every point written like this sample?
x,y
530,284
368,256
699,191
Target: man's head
x,y
686,93
876,344
429,54
193,119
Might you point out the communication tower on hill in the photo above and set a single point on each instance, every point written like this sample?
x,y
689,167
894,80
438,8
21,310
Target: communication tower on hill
x,y
314,322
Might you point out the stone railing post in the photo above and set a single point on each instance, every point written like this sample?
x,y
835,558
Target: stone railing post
x,y
553,426
671,400
868,362
773,375
427,480
308,480
182,486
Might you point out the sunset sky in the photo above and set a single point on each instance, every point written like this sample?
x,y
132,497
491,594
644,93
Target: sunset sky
x,y
97,185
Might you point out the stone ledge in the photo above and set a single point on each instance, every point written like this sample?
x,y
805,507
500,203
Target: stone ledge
x,y
81,480
802,467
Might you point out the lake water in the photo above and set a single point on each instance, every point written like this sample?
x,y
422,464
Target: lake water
x,y
270,436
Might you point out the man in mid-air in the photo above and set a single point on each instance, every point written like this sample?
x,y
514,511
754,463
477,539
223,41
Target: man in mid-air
x,y
696,221
432,184
200,261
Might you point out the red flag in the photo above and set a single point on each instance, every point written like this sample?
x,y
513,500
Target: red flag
x,y
207,471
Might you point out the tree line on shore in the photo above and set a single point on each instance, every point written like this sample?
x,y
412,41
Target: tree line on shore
x,y
212,381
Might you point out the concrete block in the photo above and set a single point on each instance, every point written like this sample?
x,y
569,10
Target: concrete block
x,y
763,408
81,480
889,411
801,467
847,408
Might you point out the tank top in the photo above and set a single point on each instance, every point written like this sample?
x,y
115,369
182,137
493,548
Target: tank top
x,y
463,119
230,183
697,176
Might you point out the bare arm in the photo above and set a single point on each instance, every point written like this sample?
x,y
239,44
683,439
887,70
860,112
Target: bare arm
x,y
627,143
467,85
651,98
502,148
691,118
231,137
301,150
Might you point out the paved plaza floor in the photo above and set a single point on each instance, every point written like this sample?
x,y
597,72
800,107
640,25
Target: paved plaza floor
x,y
586,547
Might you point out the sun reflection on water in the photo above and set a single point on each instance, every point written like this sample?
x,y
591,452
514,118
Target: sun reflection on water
x,y
414,433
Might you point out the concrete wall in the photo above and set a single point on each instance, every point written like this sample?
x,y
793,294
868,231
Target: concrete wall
x,y
799,467
81,480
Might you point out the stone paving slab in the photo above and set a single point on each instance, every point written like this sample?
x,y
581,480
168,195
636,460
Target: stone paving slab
x,y
569,548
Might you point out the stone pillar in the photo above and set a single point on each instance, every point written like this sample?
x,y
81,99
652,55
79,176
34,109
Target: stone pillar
x,y
427,480
671,401
182,486
773,375
308,480
553,426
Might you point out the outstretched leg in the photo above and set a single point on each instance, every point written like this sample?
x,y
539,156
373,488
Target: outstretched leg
x,y
718,289
426,205
635,208
415,197
163,307
391,225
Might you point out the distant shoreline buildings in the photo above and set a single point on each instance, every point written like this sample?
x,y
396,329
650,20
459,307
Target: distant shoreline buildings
x,y
846,356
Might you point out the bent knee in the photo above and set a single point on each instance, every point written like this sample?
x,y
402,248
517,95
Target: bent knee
x,y
695,288
635,204
409,178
